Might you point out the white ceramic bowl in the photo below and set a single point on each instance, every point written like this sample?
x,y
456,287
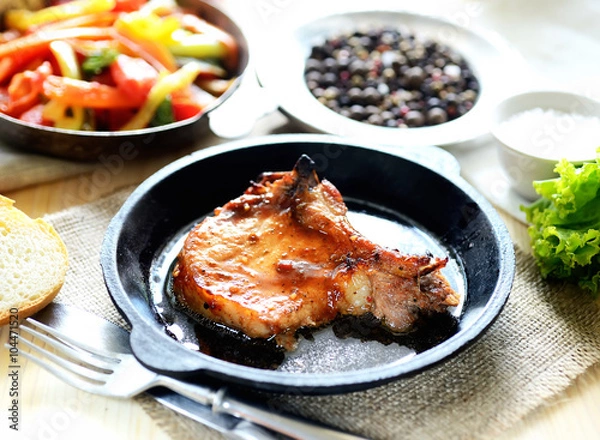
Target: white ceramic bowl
x,y
536,155
496,65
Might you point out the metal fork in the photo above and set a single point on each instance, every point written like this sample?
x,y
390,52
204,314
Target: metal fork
x,y
117,373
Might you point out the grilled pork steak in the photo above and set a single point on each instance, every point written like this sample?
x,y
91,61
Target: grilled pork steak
x,y
283,256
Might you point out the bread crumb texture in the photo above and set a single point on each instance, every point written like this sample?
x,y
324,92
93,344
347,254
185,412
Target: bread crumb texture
x,y
33,262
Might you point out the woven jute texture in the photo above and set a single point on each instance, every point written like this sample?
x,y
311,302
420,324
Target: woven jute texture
x,y
546,335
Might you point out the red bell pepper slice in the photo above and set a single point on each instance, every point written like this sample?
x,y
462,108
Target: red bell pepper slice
x,y
9,35
89,94
184,109
35,116
4,99
187,103
41,40
10,65
129,5
24,90
133,76
7,67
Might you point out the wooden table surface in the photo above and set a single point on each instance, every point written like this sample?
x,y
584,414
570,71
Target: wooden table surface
x,y
52,410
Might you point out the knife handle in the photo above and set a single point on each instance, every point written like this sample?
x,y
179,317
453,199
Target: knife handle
x,y
219,401
291,426
246,430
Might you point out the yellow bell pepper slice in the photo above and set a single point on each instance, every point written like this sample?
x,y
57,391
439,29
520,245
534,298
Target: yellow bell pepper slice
x,y
150,33
63,115
23,19
159,92
188,44
147,26
66,59
159,7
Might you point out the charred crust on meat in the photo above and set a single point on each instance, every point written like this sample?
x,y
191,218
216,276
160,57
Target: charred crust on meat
x,y
306,169
434,264
350,262
432,329
304,179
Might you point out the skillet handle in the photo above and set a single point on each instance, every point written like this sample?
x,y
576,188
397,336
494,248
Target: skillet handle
x,y
291,426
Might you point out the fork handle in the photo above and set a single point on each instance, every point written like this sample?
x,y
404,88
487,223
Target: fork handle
x,y
291,426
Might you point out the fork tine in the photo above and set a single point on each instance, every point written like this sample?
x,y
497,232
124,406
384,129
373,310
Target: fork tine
x,y
80,370
103,354
65,375
73,353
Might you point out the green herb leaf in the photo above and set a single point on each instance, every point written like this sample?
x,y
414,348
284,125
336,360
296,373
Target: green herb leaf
x,y
565,225
95,64
164,114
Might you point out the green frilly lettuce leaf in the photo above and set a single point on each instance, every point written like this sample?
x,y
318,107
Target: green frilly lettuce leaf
x,y
565,225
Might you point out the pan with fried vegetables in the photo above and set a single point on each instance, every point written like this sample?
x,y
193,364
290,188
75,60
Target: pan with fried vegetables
x,y
115,66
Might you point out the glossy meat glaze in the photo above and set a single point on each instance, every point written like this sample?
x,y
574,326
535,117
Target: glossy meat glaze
x,y
283,256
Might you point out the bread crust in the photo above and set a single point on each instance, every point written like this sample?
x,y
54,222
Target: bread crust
x,y
13,224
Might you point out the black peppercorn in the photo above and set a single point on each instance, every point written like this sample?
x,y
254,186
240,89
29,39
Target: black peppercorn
x,y
392,78
436,116
414,118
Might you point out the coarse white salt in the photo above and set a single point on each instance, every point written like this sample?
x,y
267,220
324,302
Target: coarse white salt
x,y
552,134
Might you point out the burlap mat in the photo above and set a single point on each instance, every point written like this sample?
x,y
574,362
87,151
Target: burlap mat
x,y
19,169
546,336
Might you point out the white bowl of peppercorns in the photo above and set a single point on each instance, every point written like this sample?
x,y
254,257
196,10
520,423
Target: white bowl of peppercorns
x,y
393,77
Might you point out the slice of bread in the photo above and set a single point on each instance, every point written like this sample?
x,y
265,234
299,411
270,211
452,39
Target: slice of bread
x,y
33,262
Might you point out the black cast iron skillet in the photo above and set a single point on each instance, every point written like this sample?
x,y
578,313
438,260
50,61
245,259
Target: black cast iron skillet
x,y
92,145
445,212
